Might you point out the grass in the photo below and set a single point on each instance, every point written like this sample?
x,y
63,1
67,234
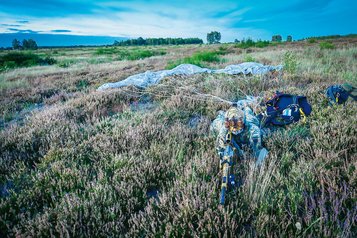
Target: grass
x,y
198,58
6,85
85,164
120,53
327,45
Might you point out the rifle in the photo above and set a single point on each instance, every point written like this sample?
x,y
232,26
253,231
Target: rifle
x,y
226,165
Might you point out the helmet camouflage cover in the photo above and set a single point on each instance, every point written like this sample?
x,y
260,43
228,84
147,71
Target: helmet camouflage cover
x,y
234,112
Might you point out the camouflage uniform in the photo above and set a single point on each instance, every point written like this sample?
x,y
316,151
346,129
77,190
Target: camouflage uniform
x,y
251,134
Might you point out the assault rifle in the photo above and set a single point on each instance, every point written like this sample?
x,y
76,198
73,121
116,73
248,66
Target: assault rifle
x,y
226,164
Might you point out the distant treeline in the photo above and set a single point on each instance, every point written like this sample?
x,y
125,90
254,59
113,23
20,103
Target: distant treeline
x,y
61,47
330,37
29,44
159,41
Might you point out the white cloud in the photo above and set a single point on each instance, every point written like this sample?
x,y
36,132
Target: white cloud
x,y
149,21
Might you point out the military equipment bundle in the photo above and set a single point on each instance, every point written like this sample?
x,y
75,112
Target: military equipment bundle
x,y
284,109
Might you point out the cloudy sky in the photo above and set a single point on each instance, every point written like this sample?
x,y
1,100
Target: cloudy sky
x,y
178,18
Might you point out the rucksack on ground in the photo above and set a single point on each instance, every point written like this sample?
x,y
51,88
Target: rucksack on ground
x,y
338,94
283,109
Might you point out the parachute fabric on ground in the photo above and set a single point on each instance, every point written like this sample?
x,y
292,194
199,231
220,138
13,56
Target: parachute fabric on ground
x,y
248,68
150,78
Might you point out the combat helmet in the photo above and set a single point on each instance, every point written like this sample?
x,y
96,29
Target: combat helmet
x,y
234,120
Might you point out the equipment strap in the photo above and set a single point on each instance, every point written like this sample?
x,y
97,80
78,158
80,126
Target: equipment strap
x,y
302,115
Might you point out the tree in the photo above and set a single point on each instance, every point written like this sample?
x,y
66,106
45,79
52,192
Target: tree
x,y
25,44
29,44
289,38
16,44
276,38
32,44
158,41
141,41
213,37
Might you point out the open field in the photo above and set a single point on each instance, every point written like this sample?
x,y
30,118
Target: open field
x,y
129,162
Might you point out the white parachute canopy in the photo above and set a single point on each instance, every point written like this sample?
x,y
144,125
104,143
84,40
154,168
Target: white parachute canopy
x,y
150,78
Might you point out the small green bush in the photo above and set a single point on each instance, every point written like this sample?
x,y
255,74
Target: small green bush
x,y
290,62
197,58
327,45
311,40
65,63
245,44
106,51
249,58
262,44
47,61
19,59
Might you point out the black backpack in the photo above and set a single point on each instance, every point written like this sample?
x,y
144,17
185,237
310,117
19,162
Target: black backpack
x,y
337,94
284,109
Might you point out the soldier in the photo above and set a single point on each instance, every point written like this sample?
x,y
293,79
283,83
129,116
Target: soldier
x,y
243,126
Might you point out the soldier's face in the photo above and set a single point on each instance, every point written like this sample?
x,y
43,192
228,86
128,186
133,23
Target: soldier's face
x,y
234,125
236,131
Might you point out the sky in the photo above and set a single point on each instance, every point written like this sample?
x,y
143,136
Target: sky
x,y
258,19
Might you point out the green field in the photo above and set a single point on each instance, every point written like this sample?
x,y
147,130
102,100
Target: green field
x,y
80,163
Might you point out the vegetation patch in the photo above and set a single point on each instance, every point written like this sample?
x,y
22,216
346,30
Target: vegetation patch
x,y
18,59
312,40
290,62
249,58
129,54
327,45
198,58
245,44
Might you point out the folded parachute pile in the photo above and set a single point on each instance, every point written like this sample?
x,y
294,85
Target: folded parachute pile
x,y
149,78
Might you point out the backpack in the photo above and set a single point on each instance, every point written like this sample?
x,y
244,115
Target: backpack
x,y
336,94
284,109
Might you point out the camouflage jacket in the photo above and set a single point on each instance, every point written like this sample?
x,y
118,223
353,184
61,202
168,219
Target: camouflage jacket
x,y
250,136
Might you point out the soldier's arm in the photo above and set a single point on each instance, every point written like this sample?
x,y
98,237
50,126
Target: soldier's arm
x,y
221,139
252,124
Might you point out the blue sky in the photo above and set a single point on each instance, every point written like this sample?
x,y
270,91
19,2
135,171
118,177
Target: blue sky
x,y
238,19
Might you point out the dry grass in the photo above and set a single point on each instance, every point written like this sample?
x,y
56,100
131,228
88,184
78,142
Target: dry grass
x,y
86,163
